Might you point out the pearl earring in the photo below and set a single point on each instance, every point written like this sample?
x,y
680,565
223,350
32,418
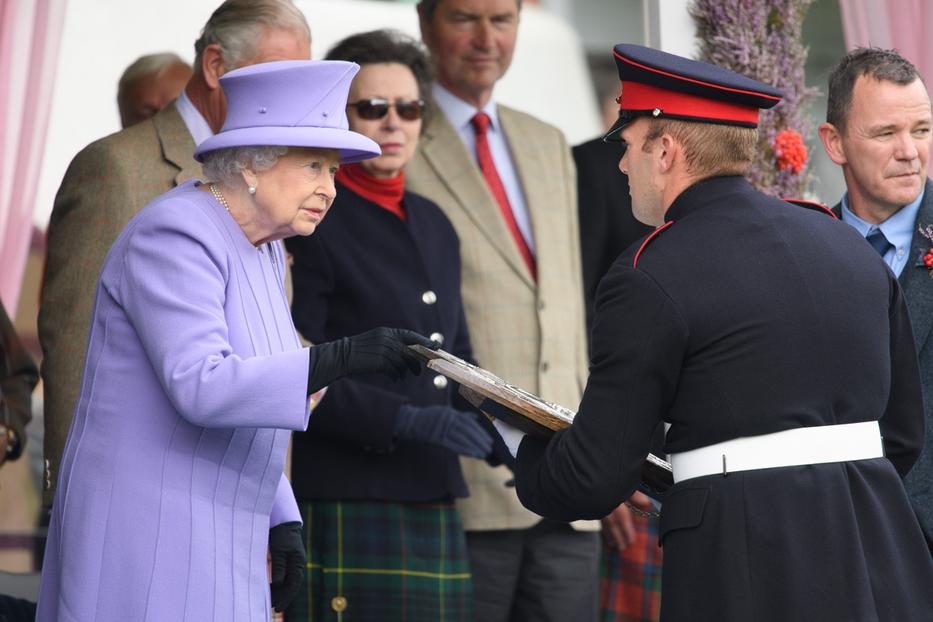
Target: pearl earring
x,y
251,189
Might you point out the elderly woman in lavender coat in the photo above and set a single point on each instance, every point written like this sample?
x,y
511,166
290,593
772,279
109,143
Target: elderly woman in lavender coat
x,y
172,491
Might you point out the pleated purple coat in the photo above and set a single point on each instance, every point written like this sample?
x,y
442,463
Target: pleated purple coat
x,y
174,463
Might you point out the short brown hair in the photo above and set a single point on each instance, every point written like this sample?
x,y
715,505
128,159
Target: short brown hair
x,y
710,149
882,65
426,8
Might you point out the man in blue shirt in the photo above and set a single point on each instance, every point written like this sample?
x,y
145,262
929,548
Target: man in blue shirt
x,y
877,129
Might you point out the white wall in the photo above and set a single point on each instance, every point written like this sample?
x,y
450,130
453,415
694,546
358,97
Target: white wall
x,y
548,77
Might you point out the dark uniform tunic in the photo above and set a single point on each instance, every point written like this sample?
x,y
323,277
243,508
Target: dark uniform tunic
x,y
746,316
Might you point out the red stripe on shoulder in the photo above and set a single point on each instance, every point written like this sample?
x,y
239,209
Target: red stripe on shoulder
x,y
653,235
819,207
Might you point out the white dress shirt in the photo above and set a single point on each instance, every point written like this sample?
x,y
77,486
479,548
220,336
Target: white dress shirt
x,y
194,120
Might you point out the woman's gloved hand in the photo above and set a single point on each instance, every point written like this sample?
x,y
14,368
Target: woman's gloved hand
x,y
288,563
445,427
381,350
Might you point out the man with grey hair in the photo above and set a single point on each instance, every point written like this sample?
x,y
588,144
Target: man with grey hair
x,y
149,84
506,180
878,129
114,177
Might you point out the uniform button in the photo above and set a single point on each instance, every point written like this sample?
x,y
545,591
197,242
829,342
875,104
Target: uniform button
x,y
544,366
439,338
540,305
900,253
429,297
440,382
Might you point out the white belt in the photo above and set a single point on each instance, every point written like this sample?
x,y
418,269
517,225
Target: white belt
x,y
813,445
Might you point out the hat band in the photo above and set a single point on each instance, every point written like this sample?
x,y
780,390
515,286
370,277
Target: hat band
x,y
640,96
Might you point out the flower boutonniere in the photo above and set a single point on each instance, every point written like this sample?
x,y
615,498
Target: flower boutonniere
x,y
925,259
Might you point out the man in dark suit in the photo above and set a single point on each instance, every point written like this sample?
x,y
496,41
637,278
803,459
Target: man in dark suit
x,y
789,386
18,377
877,129
607,226
114,177
630,560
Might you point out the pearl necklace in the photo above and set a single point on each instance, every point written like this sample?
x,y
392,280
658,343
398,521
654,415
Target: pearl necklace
x,y
217,195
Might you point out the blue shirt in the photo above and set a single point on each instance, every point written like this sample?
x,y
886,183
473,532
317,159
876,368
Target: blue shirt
x,y
898,229
460,114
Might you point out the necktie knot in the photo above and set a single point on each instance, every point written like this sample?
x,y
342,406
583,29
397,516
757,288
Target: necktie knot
x,y
480,122
879,242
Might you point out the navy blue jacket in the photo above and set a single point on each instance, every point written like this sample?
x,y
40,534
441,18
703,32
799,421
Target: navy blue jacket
x,y
365,267
748,315
607,226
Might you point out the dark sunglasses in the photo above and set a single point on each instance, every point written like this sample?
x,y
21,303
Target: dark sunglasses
x,y
372,109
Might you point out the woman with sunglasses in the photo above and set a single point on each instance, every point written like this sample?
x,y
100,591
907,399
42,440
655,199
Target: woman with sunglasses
x,y
378,470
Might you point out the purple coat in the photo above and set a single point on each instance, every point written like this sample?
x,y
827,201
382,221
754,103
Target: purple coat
x,y
194,377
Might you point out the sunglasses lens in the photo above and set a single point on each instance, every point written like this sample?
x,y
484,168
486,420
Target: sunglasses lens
x,y
372,109
410,111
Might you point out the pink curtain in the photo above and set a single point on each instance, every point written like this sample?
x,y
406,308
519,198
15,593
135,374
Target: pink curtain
x,y
905,25
30,32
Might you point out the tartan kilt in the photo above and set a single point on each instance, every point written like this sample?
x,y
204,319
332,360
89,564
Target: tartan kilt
x,y
388,561
630,581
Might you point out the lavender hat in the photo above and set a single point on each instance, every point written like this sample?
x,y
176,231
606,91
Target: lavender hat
x,y
290,103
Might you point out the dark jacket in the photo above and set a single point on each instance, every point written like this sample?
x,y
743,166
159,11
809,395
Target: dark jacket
x,y
607,226
747,315
18,377
917,284
364,267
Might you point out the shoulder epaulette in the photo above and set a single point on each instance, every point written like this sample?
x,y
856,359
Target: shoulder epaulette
x,y
817,207
654,234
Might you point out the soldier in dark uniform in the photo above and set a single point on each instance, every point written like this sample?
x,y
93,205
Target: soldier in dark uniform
x,y
775,346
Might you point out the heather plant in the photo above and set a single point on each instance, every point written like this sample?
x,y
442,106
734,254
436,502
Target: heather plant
x,y
761,39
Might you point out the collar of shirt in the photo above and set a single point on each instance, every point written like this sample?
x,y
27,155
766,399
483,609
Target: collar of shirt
x,y
460,113
898,229
194,120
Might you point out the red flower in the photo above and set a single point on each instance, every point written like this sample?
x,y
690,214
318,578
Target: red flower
x,y
790,151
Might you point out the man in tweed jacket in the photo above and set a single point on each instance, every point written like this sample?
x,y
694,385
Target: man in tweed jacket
x,y
878,129
114,177
527,328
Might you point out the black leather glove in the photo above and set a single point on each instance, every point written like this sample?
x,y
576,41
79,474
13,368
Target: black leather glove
x,y
379,350
288,563
451,429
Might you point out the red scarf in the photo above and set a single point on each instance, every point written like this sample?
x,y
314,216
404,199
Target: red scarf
x,y
386,193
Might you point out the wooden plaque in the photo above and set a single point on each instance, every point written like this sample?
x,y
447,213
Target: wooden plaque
x,y
525,411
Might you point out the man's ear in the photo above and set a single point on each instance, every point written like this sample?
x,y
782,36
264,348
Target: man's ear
x,y
667,152
831,138
212,65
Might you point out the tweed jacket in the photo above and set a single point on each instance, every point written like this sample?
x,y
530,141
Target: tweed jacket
x,y
529,333
918,289
105,185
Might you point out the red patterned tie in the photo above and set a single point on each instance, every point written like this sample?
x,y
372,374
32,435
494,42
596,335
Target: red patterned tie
x,y
480,122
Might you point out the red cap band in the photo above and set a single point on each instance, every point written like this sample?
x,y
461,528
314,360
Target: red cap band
x,y
639,96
